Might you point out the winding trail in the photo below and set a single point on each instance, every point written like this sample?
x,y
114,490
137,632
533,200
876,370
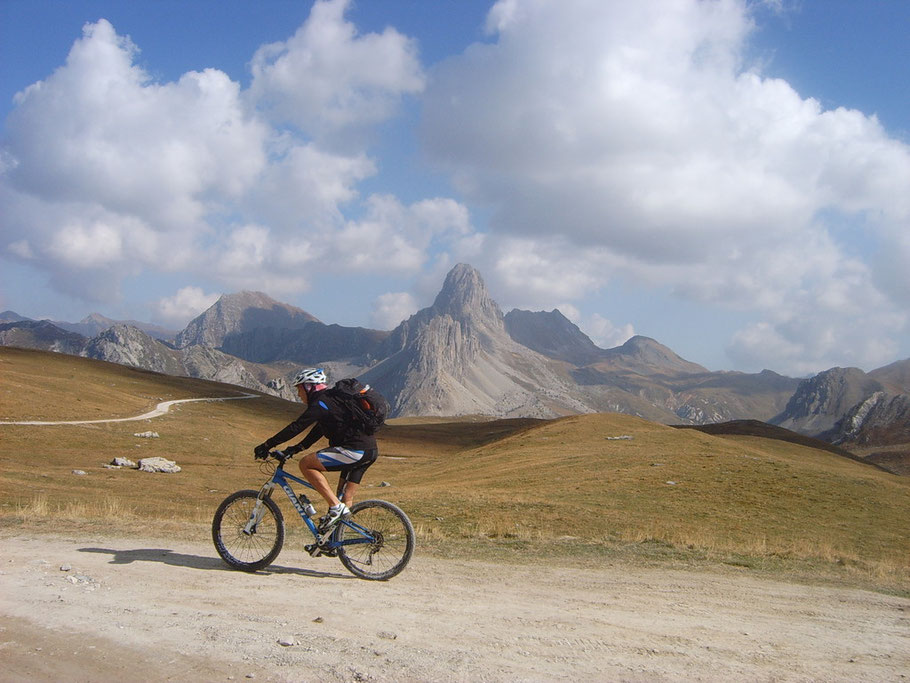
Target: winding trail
x,y
159,410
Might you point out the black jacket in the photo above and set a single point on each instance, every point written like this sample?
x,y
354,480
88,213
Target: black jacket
x,y
330,420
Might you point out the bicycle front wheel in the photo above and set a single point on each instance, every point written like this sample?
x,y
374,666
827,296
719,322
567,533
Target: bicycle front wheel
x,y
242,544
379,542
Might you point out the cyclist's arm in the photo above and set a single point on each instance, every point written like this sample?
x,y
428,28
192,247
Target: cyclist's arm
x,y
296,427
307,441
315,434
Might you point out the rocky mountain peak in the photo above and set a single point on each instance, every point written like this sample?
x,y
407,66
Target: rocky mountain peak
x,y
648,356
11,317
129,345
40,334
241,312
123,333
98,319
553,335
464,296
820,401
896,376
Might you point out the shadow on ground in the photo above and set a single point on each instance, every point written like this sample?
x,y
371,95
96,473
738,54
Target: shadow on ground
x,y
166,556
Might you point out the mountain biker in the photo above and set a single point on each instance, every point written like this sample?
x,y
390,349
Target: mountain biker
x,y
350,450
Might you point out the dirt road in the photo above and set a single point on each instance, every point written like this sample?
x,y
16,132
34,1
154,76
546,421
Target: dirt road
x,y
81,609
161,409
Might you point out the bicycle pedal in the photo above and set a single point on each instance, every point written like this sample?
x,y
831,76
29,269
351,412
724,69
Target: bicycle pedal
x,y
316,551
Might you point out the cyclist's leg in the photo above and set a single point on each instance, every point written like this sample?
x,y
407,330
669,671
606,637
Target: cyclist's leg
x,y
349,479
346,489
312,470
333,459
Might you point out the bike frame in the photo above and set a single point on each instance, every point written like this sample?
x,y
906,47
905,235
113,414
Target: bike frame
x,y
280,478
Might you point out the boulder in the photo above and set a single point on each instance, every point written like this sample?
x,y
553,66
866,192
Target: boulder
x,y
158,464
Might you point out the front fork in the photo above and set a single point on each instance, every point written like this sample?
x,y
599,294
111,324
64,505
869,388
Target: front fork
x,y
258,509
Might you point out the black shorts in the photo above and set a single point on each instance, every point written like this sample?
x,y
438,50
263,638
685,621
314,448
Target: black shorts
x,y
351,463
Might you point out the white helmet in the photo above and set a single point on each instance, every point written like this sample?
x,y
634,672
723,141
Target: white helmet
x,y
310,376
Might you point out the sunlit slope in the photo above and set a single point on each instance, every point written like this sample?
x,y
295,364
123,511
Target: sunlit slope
x,y
40,385
574,480
573,477
211,441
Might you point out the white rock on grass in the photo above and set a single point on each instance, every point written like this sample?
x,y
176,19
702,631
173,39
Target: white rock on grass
x,y
124,462
147,435
158,465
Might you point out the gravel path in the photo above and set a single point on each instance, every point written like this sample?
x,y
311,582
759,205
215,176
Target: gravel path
x,y
161,409
96,610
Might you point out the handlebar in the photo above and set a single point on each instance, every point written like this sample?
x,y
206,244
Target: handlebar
x,y
280,456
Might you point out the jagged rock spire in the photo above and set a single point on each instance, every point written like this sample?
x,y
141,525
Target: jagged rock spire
x,y
464,296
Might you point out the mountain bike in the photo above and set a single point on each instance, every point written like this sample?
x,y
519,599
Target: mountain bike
x,y
374,541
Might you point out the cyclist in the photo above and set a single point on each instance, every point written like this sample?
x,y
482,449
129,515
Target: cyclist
x,y
350,451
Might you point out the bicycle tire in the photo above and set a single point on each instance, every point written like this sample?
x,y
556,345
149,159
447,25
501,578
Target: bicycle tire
x,y
251,552
389,554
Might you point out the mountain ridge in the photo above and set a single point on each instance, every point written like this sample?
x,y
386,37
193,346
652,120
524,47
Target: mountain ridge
x,y
237,313
462,355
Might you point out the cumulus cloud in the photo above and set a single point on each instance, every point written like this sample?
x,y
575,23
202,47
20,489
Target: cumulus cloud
x,y
395,238
186,304
605,141
390,309
638,133
306,188
106,172
109,172
599,329
327,78
604,333
99,129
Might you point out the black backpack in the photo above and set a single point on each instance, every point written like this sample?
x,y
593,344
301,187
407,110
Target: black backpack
x,y
366,408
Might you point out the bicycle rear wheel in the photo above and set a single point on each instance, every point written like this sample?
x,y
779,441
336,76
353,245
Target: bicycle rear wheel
x,y
246,548
391,545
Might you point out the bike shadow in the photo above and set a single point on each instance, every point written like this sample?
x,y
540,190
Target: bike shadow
x,y
175,559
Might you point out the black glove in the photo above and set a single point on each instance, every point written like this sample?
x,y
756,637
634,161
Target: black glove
x,y
261,452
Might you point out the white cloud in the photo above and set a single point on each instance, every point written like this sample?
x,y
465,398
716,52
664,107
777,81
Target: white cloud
x,y
185,305
306,187
87,246
604,333
22,249
635,131
396,238
606,141
246,249
543,272
327,78
390,309
598,328
809,342
106,172
98,129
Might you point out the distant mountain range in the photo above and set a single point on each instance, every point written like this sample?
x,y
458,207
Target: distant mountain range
x,y
463,356
95,323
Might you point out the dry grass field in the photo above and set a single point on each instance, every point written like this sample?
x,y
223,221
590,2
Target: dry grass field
x,y
567,490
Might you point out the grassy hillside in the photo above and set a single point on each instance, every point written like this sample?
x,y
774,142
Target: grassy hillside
x,y
564,487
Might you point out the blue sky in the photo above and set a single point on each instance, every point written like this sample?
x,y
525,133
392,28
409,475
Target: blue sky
x,y
730,178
